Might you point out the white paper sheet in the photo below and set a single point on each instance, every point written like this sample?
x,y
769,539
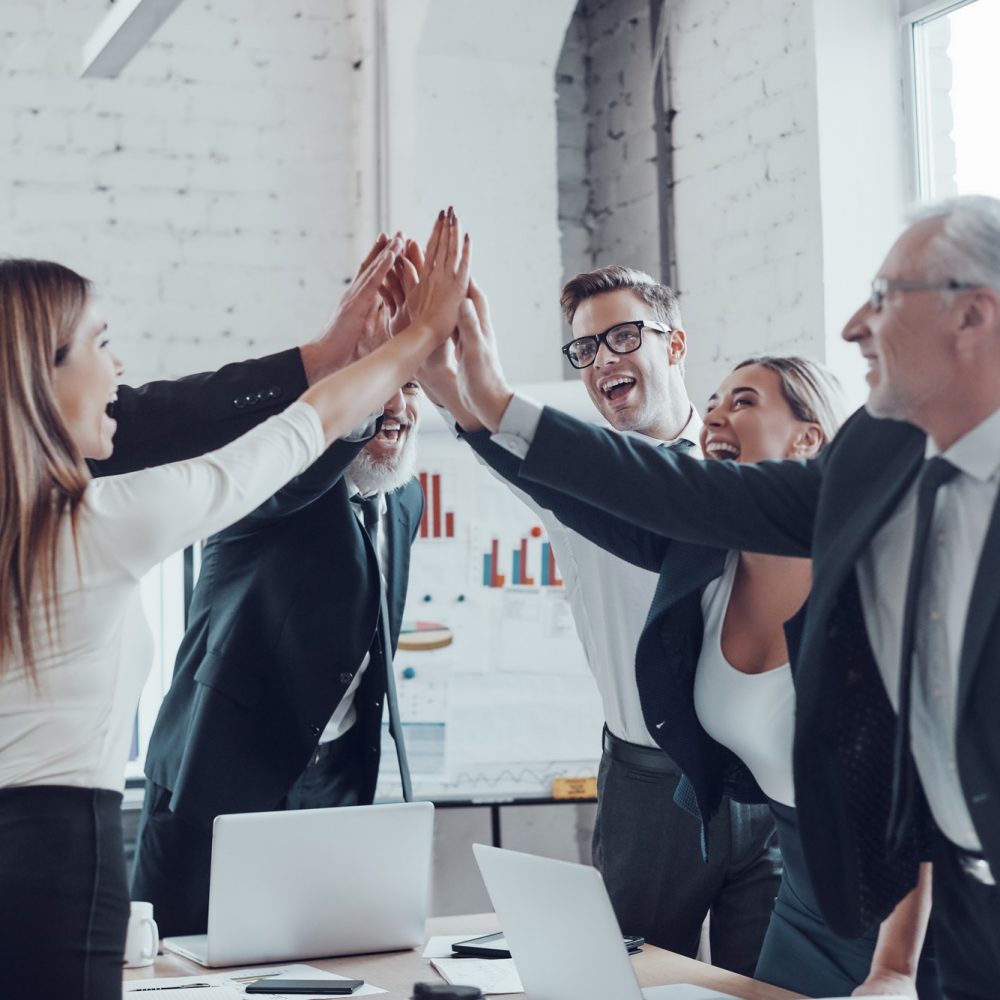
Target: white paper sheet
x,y
491,975
230,985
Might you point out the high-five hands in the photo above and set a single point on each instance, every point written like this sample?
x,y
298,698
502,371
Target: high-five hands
x,y
443,279
482,387
339,345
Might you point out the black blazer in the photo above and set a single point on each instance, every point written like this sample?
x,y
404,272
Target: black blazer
x,y
284,611
828,508
170,421
670,643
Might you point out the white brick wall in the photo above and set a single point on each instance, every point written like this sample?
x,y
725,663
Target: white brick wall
x,y
213,191
747,187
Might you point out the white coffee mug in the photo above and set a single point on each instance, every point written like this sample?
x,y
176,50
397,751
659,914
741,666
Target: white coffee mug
x,y
143,937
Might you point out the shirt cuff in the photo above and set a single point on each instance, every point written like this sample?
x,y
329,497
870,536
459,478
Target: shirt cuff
x,y
364,431
518,425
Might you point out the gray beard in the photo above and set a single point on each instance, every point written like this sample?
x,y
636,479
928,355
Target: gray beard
x,y
371,476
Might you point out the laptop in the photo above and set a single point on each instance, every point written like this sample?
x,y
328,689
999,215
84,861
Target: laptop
x,y
562,931
312,883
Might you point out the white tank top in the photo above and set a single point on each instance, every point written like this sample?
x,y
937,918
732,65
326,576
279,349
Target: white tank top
x,y
751,714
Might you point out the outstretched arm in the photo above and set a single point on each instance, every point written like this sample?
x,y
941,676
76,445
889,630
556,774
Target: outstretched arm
x,y
172,420
769,507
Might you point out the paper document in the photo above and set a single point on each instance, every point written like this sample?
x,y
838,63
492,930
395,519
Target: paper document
x,y
439,946
231,985
491,975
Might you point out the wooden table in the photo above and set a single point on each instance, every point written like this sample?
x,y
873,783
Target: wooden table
x,y
397,971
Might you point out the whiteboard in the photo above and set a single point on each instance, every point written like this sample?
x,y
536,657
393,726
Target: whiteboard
x,y
508,703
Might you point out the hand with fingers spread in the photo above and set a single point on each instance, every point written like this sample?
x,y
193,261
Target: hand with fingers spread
x,y
344,398
483,389
339,343
443,280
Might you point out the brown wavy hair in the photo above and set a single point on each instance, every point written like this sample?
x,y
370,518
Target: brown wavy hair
x,y
42,474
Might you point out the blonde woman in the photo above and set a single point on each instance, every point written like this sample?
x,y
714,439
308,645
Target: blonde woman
x,y
74,646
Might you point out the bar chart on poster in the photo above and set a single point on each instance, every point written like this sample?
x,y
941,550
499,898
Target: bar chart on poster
x,y
494,691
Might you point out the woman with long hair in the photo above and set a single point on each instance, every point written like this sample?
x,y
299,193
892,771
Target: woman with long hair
x,y
74,646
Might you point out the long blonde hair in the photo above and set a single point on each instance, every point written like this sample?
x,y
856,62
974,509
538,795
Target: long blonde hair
x,y
42,474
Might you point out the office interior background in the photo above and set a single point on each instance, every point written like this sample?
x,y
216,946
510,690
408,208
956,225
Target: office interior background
x,y
220,191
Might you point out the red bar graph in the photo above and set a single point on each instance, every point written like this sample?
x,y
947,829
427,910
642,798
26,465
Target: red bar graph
x,y
430,522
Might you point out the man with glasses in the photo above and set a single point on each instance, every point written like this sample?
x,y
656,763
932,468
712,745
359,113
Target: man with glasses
x,y
897,747
629,346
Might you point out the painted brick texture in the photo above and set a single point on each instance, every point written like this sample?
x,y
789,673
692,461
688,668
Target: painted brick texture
x,y
213,192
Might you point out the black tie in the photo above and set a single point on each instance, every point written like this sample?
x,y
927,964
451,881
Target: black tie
x,y
934,474
681,445
370,507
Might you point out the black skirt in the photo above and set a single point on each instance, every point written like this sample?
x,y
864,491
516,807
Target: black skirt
x,y
63,898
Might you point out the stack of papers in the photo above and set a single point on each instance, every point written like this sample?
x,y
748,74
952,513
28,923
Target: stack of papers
x,y
231,985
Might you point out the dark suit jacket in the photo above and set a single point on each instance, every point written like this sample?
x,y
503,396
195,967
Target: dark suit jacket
x,y
284,611
828,508
170,421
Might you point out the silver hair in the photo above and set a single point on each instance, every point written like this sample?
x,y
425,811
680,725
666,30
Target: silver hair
x,y
966,247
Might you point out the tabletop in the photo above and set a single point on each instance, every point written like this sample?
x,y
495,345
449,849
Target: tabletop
x,y
397,971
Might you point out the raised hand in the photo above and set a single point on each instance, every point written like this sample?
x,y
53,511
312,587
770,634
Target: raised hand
x,y
338,344
443,280
399,285
482,387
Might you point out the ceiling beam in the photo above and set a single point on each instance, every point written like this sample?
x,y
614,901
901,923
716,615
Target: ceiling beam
x,y
126,28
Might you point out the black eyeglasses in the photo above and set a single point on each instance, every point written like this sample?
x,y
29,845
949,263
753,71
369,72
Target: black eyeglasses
x,y
881,287
622,338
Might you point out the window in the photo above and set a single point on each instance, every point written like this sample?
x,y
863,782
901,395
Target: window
x,y
955,80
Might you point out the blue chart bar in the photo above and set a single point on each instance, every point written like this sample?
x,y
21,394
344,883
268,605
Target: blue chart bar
x,y
517,566
545,564
487,569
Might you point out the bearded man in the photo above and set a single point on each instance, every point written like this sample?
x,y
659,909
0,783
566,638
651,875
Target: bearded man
x,y
279,683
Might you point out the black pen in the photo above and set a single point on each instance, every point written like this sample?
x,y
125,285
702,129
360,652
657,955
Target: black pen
x,y
179,986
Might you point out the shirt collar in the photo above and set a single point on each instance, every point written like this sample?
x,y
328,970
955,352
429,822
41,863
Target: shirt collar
x,y
691,431
352,490
977,452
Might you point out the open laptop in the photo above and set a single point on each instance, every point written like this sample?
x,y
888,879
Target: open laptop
x,y
562,932
311,883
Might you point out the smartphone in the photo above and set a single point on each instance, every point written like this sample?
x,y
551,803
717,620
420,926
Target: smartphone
x,y
334,987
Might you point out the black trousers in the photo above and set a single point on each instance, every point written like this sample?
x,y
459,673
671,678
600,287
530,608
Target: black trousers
x,y
173,858
63,900
648,850
966,924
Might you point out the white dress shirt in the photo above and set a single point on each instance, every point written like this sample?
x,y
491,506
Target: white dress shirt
x,y
961,518
345,714
75,726
609,597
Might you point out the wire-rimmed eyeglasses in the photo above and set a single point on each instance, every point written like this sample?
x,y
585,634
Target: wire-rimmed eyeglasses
x,y
881,287
622,338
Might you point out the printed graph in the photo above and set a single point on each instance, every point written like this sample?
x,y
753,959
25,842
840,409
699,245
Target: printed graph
x,y
521,562
436,523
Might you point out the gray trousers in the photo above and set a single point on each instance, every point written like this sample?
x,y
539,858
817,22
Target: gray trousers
x,y
648,850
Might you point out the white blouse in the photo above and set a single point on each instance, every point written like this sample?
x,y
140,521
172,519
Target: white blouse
x,y
74,726
751,714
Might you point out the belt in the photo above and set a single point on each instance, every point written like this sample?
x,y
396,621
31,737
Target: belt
x,y
975,866
635,755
